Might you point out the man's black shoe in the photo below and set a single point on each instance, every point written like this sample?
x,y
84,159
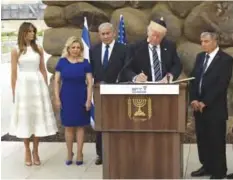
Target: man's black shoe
x,y
98,161
230,176
200,172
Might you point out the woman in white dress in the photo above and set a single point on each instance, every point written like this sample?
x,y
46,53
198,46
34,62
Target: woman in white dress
x,y
32,113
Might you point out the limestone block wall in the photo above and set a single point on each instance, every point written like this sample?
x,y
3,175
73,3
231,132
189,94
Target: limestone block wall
x,y
185,22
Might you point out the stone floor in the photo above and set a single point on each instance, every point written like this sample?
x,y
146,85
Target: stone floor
x,y
53,167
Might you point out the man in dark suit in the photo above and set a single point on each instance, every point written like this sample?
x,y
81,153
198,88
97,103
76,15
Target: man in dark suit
x,y
208,97
153,59
107,60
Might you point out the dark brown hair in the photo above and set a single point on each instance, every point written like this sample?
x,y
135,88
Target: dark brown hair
x,y
23,30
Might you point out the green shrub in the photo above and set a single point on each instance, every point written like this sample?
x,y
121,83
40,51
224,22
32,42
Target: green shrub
x,y
9,33
40,33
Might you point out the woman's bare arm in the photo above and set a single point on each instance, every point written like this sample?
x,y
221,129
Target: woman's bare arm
x,y
14,61
57,82
89,86
42,65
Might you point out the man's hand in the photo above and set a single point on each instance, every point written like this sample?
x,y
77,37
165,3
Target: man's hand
x,y
201,106
169,77
195,105
141,77
164,80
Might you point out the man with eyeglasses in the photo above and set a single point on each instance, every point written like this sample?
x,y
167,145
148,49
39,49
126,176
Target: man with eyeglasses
x,y
208,97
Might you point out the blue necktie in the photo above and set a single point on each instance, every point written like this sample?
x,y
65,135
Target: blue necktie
x,y
156,65
105,60
203,69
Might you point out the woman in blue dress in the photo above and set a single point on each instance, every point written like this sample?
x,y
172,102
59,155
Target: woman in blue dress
x,y
73,98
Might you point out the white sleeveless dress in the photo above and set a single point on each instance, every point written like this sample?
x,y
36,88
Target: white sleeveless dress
x,y
32,110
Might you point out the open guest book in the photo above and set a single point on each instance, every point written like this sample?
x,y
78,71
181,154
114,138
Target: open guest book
x,y
173,82
183,80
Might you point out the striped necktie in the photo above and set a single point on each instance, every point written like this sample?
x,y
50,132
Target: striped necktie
x,y
203,69
156,65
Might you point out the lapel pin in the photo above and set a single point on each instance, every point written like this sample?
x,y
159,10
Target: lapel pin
x,y
165,49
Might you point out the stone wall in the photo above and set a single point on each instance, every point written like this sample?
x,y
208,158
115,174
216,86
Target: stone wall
x,y
185,22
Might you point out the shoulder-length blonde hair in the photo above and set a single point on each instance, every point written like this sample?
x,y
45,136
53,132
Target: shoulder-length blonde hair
x,y
23,30
69,42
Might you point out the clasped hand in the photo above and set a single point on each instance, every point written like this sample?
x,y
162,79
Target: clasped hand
x,y
198,106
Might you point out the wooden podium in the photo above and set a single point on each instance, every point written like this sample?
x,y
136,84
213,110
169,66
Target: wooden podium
x,y
142,127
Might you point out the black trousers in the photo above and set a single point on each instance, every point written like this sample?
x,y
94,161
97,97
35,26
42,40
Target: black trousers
x,y
211,143
230,176
99,144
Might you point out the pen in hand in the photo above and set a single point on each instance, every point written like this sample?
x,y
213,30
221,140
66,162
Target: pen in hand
x,y
143,76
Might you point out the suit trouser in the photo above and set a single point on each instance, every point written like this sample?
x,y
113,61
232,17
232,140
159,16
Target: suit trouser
x,y
99,144
230,176
211,143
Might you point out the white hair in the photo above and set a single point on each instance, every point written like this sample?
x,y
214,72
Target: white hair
x,y
105,24
150,30
211,34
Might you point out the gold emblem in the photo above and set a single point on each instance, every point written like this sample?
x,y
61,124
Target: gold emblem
x,y
139,109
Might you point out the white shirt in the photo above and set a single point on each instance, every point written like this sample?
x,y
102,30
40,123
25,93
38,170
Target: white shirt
x,y
150,47
111,45
212,55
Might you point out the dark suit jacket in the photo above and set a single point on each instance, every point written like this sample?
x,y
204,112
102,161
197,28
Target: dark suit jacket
x,y
115,64
138,54
214,84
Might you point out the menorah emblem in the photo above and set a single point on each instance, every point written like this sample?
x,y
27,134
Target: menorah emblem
x,y
139,115
139,103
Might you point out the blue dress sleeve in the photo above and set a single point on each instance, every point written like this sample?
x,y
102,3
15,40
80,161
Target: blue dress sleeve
x,y
87,66
59,65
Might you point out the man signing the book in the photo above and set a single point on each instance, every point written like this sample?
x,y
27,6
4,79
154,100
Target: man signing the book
x,y
155,58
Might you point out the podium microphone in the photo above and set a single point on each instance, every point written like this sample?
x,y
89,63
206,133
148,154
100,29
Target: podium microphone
x,y
127,63
122,69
